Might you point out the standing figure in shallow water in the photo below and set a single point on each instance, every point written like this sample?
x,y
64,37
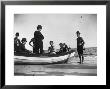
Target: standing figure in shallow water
x,y
80,45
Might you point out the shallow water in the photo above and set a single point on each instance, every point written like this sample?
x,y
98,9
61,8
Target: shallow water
x,y
72,68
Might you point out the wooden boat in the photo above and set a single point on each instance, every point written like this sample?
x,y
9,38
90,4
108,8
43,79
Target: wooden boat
x,y
33,59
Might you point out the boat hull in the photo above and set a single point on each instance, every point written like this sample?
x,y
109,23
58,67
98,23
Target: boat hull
x,y
42,60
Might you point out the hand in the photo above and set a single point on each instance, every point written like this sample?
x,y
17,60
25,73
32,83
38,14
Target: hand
x,y
80,44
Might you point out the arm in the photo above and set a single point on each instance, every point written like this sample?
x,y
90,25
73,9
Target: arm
x,y
18,42
48,49
41,36
83,42
30,42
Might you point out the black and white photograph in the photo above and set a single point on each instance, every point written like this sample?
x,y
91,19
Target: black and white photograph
x,y
50,44
54,43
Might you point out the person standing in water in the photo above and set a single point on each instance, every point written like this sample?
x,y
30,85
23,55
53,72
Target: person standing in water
x,y
38,40
80,45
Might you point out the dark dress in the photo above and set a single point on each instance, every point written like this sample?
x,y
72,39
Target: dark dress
x,y
80,44
23,48
65,49
16,44
38,42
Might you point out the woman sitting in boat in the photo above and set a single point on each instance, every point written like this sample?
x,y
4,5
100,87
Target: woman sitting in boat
x,y
63,48
51,49
22,46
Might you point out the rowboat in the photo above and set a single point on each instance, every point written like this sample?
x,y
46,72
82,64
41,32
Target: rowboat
x,y
33,59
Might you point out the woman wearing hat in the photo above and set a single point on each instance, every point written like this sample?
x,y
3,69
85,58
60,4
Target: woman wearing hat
x,y
22,45
80,44
38,40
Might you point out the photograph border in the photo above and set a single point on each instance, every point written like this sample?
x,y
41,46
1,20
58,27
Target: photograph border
x,y
4,3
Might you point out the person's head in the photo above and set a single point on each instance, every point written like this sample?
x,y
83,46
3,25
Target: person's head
x,y
78,34
64,44
23,40
17,34
51,43
61,45
39,27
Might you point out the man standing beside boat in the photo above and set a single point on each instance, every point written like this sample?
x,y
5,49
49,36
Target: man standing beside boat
x,y
38,40
80,47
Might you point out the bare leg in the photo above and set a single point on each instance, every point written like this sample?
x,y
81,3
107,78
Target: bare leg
x,y
80,58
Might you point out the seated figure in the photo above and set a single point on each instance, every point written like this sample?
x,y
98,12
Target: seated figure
x,y
22,46
51,49
63,48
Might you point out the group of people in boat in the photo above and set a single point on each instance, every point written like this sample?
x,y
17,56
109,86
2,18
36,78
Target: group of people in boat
x,y
63,48
19,46
37,43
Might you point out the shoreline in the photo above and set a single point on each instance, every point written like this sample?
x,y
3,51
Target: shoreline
x,y
72,68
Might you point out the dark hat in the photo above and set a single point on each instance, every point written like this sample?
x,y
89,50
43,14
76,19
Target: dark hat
x,y
78,32
24,39
51,41
17,34
39,26
60,44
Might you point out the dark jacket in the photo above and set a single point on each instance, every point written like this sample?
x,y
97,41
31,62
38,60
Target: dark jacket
x,y
16,44
80,44
80,41
38,36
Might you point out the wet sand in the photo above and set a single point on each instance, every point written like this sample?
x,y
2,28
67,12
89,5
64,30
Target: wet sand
x,y
72,68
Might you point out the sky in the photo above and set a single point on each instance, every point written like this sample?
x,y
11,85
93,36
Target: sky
x,y
57,28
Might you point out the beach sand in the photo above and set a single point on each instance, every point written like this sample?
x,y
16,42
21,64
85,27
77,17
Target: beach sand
x,y
72,68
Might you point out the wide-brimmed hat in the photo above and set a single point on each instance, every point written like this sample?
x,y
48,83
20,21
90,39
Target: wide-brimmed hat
x,y
78,32
23,40
39,26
